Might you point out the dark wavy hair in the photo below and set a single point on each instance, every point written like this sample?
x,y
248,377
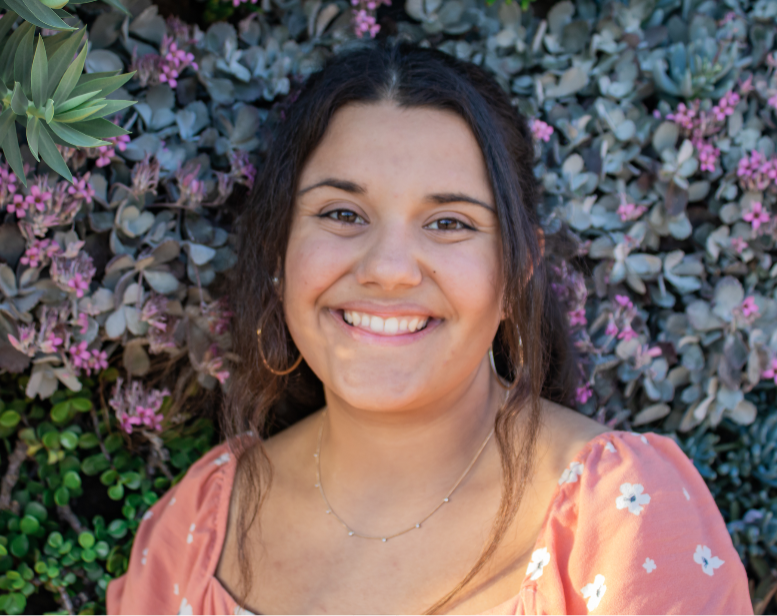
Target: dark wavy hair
x,y
533,340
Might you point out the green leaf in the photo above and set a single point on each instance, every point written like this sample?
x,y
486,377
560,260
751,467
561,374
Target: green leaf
x,y
70,78
112,106
29,525
51,155
36,510
108,477
117,4
86,540
51,440
3,551
106,85
88,440
37,13
15,603
116,492
22,64
79,114
100,128
7,59
6,22
69,440
113,442
13,155
74,102
62,496
72,480
59,65
40,75
20,546
117,529
33,133
49,110
81,404
9,419
60,411
19,101
55,540
7,123
95,464
53,43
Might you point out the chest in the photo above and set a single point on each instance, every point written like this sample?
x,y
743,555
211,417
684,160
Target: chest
x,y
304,561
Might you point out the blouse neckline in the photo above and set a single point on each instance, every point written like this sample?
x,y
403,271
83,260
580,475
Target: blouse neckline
x,y
222,518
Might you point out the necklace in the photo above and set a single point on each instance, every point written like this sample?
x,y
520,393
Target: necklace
x,y
385,538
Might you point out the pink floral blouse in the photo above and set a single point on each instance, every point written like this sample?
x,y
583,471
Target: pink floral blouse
x,y
632,529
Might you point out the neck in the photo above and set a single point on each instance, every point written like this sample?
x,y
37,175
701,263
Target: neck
x,y
383,469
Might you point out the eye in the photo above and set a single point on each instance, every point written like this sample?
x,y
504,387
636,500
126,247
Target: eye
x,y
449,224
344,216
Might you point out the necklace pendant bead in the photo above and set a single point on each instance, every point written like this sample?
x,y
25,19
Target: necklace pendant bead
x,y
350,533
317,485
329,511
418,526
384,540
445,500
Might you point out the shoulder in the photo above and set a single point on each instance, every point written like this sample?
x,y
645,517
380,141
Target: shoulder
x,y
632,516
178,542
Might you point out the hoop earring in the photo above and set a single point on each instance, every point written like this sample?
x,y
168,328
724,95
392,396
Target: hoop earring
x,y
504,384
270,368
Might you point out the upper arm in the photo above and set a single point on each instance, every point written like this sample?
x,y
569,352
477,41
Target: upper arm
x,y
646,535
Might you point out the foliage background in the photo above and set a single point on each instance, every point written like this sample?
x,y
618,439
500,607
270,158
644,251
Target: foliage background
x,y
655,137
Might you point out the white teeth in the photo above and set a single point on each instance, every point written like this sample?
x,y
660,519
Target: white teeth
x,y
390,326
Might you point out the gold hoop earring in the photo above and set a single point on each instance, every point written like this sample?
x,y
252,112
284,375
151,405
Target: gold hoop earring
x,y
270,368
504,384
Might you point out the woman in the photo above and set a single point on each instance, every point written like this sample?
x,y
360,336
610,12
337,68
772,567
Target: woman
x,y
391,246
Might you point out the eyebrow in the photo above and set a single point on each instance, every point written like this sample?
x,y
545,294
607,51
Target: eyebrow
x,y
438,198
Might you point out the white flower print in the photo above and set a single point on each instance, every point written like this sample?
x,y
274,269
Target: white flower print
x,y
539,559
172,502
143,560
642,437
708,562
687,496
594,592
175,589
632,497
650,565
148,515
185,608
609,447
222,459
571,474
190,537
239,611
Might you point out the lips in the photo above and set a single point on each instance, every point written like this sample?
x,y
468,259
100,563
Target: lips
x,y
387,326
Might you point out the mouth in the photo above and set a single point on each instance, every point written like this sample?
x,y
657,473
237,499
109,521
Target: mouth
x,y
399,325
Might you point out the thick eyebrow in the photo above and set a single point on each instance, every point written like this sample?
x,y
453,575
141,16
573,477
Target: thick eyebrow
x,y
438,198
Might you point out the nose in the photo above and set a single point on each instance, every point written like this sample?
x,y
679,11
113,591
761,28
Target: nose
x,y
391,259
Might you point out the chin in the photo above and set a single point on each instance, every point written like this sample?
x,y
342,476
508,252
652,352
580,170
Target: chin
x,y
380,397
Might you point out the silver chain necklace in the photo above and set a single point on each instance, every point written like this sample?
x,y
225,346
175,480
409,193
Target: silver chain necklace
x,y
385,538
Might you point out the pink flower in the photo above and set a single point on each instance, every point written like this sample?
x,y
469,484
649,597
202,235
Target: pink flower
x,y
98,361
627,334
771,372
772,101
756,216
749,306
623,301
83,322
541,131
135,406
612,329
38,198
18,205
629,211
583,394
685,116
81,189
738,244
577,317
79,284
725,106
106,153
80,356
39,252
708,155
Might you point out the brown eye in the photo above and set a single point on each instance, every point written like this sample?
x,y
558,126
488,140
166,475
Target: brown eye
x,y
344,216
448,224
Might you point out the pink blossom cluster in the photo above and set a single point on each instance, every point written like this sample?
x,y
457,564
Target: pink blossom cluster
x,y
725,106
192,191
630,211
583,393
756,172
364,20
87,360
218,316
623,313
213,364
39,252
10,194
134,406
708,155
173,59
161,329
51,336
242,170
645,355
48,207
106,152
540,130
73,273
738,244
756,216
569,288
686,116
749,307
771,371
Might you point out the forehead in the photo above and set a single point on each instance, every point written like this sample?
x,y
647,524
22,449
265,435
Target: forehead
x,y
404,144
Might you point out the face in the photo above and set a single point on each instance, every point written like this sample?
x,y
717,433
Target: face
x,y
392,282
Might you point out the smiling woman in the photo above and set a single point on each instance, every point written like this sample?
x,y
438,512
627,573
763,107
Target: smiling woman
x,y
390,260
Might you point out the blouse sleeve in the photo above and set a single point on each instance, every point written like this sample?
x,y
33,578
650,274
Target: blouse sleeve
x,y
178,543
634,530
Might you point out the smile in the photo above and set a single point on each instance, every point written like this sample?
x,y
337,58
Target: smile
x,y
391,326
